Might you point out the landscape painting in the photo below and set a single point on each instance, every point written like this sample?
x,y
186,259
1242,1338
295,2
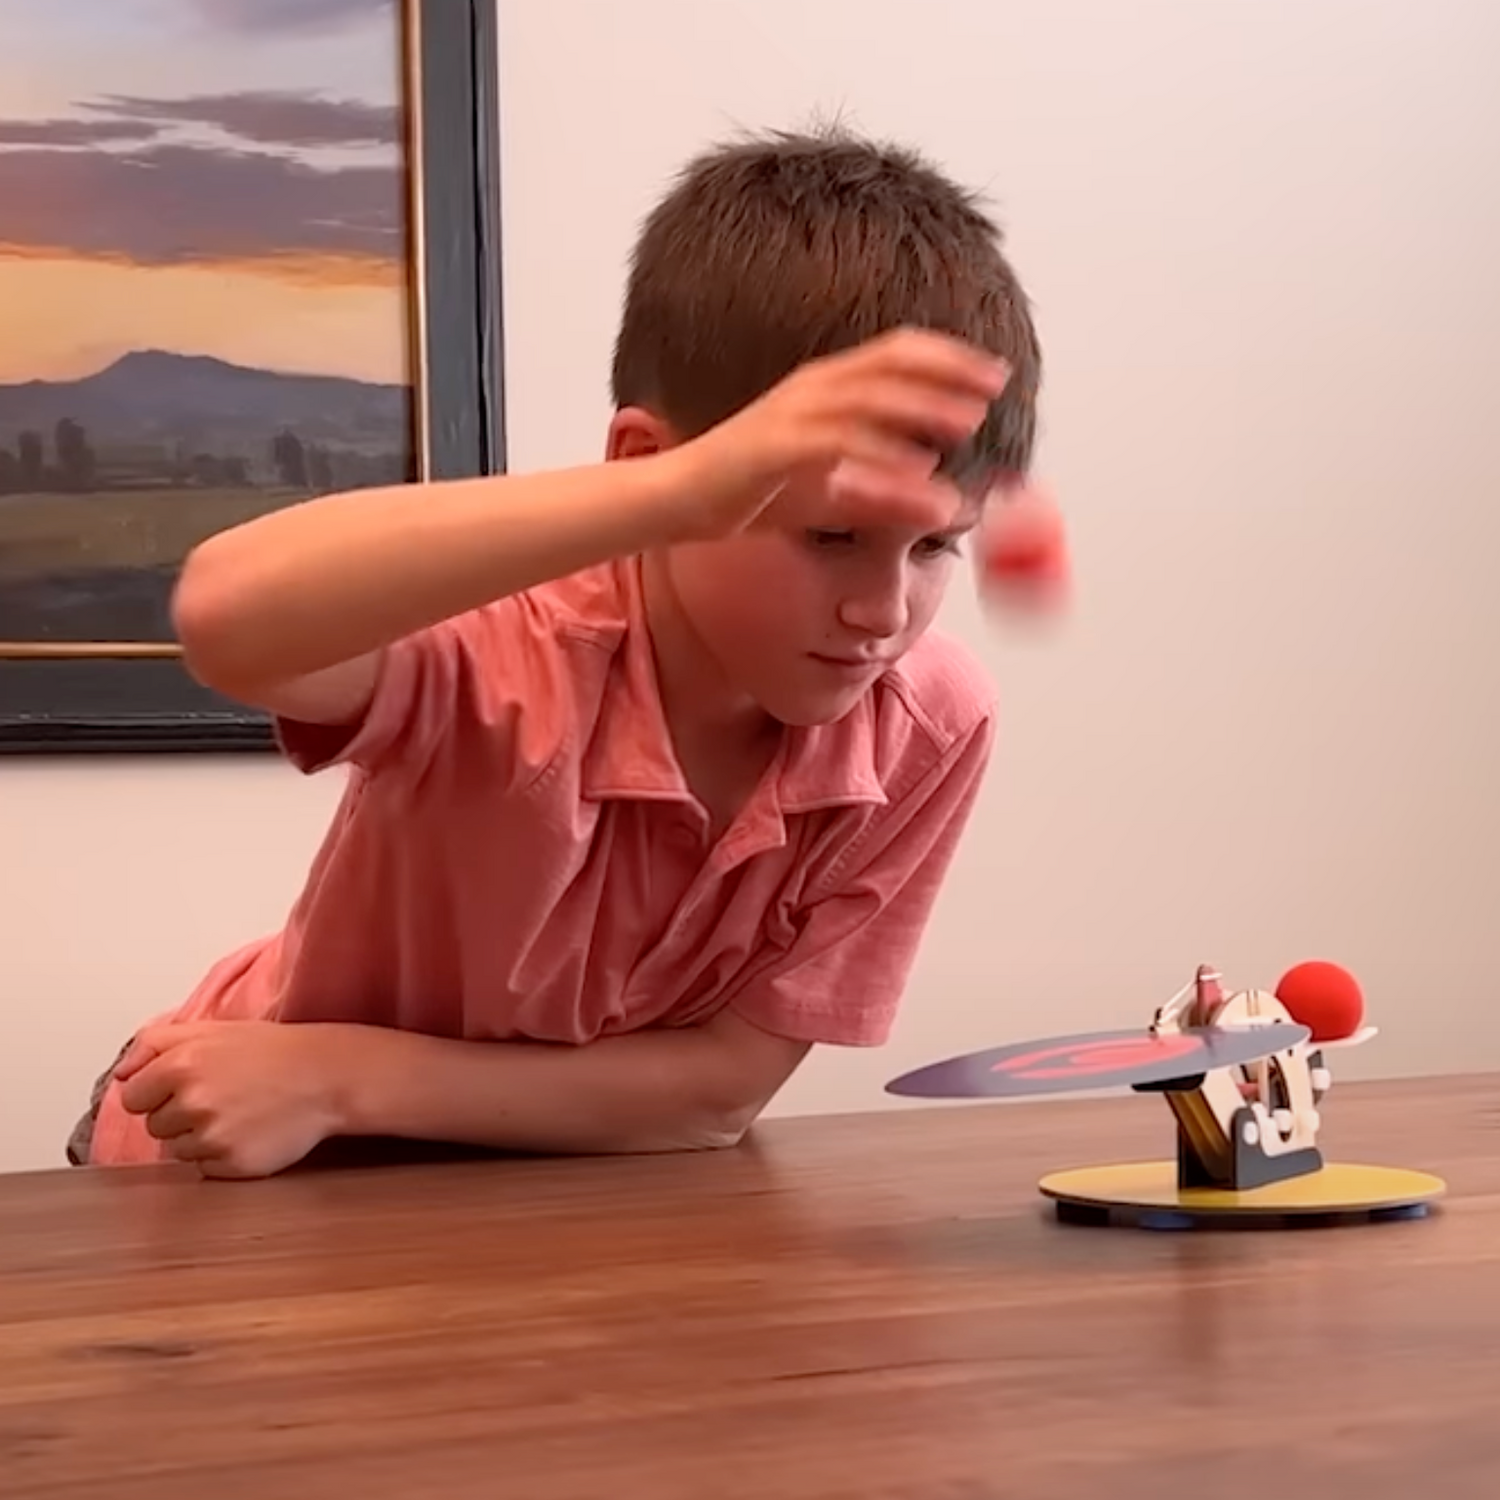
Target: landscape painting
x,y
249,254
204,270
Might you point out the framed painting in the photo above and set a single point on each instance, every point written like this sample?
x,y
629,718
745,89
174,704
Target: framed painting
x,y
248,254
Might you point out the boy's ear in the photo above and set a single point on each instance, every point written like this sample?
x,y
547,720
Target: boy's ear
x,y
635,432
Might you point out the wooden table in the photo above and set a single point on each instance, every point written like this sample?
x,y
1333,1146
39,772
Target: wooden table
x,y
848,1309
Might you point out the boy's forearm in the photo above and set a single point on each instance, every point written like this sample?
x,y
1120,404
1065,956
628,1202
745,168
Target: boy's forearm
x,y
304,589
637,1093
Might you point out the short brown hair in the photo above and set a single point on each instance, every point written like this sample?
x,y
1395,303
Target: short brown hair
x,y
778,248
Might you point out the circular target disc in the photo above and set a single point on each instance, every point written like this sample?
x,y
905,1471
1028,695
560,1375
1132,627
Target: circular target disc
x,y
1095,1060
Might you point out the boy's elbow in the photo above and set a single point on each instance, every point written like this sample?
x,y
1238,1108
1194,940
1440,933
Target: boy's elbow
x,y
717,1127
216,619
724,1124
720,1135
729,1098
701,1140
203,623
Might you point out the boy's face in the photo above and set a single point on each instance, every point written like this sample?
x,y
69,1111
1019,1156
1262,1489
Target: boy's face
x,y
804,611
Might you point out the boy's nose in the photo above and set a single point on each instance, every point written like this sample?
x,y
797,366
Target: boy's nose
x,y
879,608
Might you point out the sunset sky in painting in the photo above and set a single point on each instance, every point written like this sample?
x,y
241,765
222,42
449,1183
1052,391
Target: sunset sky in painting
x,y
202,176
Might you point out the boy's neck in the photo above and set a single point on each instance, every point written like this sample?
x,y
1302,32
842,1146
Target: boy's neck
x,y
724,739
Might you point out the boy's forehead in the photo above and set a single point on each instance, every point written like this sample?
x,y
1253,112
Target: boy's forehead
x,y
920,511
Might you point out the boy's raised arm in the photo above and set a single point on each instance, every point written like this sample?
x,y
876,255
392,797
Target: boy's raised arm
x,y
291,611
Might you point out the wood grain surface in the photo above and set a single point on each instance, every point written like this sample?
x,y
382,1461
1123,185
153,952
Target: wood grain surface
x,y
861,1308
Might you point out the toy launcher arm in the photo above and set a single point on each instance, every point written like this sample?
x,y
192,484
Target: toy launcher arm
x,y
1195,1004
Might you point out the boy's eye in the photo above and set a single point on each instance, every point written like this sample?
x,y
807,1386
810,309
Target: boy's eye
x,y
823,537
939,546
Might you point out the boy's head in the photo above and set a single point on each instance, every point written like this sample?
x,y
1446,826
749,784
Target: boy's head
x,y
766,253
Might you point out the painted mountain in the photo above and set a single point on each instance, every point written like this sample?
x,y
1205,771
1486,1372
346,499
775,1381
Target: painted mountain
x,y
197,404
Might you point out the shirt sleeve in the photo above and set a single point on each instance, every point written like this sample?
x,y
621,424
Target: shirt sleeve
x,y
495,679
842,980
416,684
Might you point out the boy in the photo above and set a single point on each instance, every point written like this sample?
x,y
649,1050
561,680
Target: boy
x,y
655,768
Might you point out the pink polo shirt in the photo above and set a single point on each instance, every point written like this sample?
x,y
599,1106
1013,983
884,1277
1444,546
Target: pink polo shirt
x,y
518,855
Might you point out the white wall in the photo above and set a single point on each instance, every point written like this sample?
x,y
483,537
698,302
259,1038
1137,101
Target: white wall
x,y
1262,236
1270,340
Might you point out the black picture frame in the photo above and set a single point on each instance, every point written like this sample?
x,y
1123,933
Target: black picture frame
x,y
130,704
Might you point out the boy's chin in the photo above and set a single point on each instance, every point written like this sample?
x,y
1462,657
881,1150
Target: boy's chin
x,y
812,711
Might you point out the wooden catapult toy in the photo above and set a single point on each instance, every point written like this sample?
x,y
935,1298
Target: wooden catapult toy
x,y
1243,1073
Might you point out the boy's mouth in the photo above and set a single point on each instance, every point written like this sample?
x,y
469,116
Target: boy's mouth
x,y
850,663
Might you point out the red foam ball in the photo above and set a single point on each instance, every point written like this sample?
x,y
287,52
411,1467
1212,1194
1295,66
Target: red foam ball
x,y
1323,997
1024,553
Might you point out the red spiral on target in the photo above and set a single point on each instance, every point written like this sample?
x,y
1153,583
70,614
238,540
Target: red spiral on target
x,y
1086,1059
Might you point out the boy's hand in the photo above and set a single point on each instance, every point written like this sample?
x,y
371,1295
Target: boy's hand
x,y
883,414
235,1098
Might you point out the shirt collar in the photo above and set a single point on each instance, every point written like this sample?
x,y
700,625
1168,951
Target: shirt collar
x,y
631,753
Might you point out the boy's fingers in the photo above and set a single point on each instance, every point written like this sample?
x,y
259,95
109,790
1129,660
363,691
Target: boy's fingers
x,y
140,1051
153,1042
169,1121
148,1090
937,355
191,1147
870,494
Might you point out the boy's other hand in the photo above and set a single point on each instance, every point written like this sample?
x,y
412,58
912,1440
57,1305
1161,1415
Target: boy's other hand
x,y
234,1098
880,415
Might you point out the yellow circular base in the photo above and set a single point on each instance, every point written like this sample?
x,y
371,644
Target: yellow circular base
x,y
1140,1189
